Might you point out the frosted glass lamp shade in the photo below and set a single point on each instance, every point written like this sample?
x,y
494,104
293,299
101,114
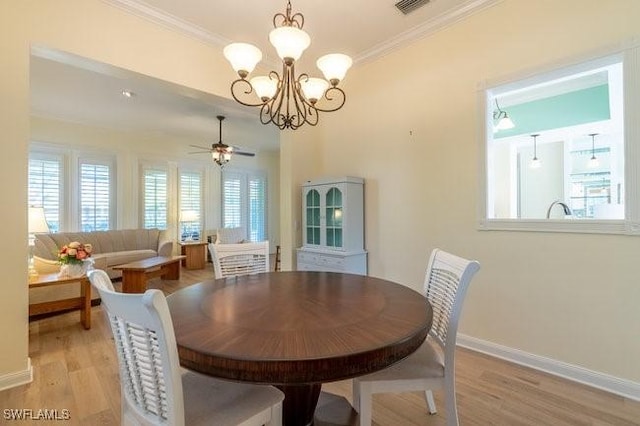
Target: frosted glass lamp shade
x,y
505,123
243,57
264,86
37,221
189,216
334,66
314,88
535,163
289,42
593,162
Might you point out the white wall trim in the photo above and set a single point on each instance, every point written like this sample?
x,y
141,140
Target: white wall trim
x,y
616,385
17,378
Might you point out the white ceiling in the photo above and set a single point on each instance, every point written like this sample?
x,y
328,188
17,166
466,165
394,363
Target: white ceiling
x,y
78,90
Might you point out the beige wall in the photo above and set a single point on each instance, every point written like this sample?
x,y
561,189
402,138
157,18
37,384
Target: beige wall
x,y
92,29
410,128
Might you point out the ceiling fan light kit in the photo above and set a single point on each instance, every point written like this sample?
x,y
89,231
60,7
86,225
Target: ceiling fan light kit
x,y
285,100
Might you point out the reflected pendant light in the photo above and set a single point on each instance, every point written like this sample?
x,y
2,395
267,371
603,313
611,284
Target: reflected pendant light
x,y
504,122
287,100
593,161
535,161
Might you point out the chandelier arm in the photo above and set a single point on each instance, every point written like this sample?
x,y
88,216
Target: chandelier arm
x,y
246,92
330,99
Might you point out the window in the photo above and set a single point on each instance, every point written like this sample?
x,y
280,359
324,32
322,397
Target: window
x,y
154,198
190,205
45,187
244,201
563,165
96,193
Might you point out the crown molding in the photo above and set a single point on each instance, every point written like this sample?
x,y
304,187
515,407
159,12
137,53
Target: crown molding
x,y
157,16
425,29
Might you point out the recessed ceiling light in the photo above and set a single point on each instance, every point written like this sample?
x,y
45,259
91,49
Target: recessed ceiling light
x,y
128,94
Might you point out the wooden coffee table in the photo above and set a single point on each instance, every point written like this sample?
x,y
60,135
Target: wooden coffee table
x,y
136,274
83,302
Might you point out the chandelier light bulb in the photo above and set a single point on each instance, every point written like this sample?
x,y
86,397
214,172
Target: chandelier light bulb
x,y
265,87
334,66
314,88
243,57
289,42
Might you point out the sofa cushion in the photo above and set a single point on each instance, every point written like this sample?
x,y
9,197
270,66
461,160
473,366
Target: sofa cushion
x,y
121,257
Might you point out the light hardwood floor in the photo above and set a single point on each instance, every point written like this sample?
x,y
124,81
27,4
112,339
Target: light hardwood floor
x,y
76,369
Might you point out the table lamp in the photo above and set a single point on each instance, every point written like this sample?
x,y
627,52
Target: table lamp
x,y
37,224
189,216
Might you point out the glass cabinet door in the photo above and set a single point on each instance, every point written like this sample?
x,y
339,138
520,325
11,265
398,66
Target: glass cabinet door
x,y
312,203
333,208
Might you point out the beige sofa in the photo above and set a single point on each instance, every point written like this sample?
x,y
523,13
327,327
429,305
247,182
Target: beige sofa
x,y
110,248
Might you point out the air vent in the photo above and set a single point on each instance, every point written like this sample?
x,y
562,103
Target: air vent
x,y
408,6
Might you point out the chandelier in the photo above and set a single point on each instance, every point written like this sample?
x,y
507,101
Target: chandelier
x,y
284,99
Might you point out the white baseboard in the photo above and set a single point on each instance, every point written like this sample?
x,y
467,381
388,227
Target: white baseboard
x,y
17,378
618,386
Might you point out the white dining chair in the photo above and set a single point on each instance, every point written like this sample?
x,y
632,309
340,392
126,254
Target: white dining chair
x,y
231,260
432,366
155,389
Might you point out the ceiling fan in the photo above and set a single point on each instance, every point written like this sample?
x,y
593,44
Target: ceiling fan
x,y
220,151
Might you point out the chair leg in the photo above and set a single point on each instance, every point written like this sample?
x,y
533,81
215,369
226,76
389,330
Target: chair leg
x,y
276,415
355,395
365,404
450,395
431,403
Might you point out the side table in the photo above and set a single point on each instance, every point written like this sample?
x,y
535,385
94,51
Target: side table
x,y
195,254
83,302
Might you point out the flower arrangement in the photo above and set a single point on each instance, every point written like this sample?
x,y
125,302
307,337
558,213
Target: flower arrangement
x,y
74,253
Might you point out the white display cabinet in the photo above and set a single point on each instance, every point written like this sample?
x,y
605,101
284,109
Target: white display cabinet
x,y
333,226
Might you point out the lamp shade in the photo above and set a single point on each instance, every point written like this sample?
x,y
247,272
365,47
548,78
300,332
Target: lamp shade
x,y
334,66
242,56
289,42
505,123
37,220
189,215
314,88
264,86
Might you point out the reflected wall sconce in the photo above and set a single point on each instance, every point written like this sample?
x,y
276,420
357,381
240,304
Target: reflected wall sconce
x,y
504,122
593,161
535,162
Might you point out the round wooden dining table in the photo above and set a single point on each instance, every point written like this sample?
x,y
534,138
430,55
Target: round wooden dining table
x,y
297,330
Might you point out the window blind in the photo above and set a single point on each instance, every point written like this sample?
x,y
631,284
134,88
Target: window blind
x,y
95,196
45,188
191,201
155,198
244,203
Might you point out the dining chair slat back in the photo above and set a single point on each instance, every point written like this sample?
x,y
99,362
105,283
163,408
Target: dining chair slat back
x,y
155,390
231,260
432,366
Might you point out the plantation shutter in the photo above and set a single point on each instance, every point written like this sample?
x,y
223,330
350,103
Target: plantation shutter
x,y
45,188
244,203
155,198
95,196
191,201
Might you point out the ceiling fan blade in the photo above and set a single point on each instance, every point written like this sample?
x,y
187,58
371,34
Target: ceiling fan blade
x,y
200,147
246,154
200,152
